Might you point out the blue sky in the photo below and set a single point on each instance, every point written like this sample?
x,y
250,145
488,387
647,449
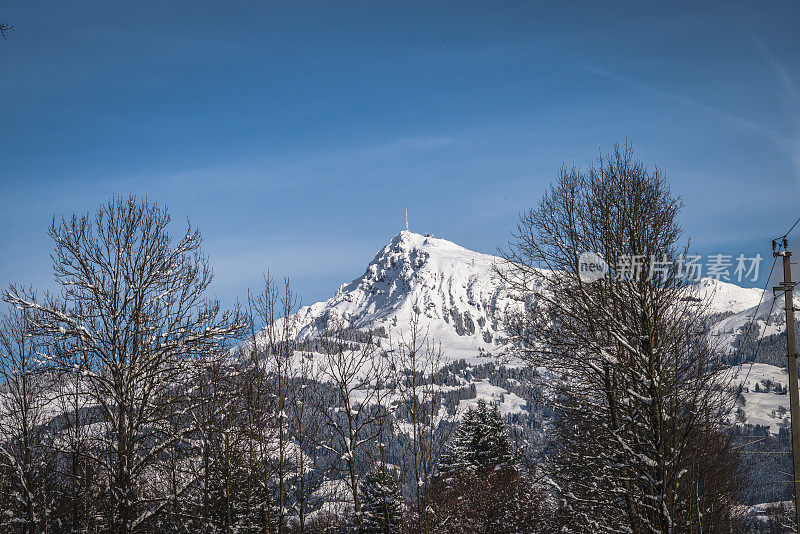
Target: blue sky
x,y
296,134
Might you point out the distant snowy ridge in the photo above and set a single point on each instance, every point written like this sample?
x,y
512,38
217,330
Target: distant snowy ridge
x,y
461,300
759,321
726,297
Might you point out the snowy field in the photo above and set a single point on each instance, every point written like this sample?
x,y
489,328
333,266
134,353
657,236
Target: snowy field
x,y
765,407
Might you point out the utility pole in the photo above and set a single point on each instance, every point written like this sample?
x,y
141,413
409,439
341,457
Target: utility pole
x,y
791,346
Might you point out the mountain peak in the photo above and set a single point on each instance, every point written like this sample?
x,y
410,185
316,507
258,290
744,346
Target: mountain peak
x,y
453,288
407,242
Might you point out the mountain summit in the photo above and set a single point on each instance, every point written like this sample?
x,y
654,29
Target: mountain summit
x,y
454,289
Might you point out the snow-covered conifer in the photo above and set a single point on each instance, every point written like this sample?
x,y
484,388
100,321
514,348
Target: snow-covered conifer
x,y
480,442
381,502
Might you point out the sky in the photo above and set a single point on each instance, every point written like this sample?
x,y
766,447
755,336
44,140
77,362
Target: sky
x,y
296,134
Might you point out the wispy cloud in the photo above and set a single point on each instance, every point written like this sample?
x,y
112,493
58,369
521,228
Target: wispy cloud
x,y
790,98
779,140
790,94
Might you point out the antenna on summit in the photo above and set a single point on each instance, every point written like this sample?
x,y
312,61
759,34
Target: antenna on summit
x,y
406,220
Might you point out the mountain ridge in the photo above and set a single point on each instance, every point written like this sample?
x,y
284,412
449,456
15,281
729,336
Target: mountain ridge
x,y
461,300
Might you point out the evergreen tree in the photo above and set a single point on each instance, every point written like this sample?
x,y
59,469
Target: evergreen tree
x,y
382,504
482,487
480,442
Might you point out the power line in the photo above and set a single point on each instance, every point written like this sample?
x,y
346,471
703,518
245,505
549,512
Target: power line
x,y
760,337
751,442
761,299
790,229
766,322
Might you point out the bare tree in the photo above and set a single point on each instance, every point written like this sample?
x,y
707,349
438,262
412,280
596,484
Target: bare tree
x,y
4,29
232,495
634,384
259,412
80,484
274,345
217,416
24,398
304,428
350,408
421,421
132,308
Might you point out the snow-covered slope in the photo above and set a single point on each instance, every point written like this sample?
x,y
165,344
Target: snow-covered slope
x,y
459,298
769,405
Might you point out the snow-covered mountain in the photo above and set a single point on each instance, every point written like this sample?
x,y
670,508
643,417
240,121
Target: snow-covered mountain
x,y
462,300
455,289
